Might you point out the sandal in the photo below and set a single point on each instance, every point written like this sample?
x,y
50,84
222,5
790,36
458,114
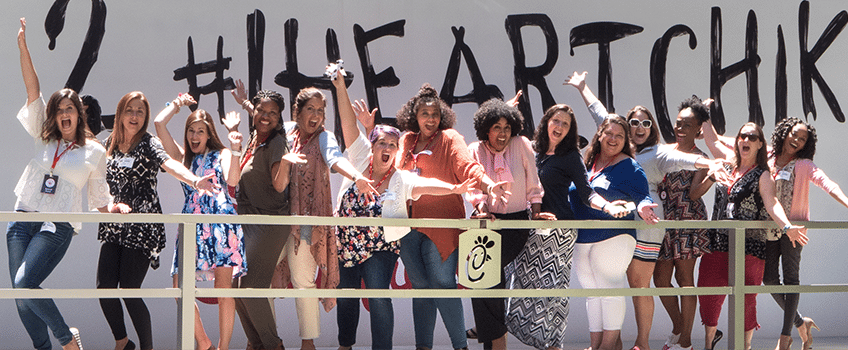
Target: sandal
x,y
471,333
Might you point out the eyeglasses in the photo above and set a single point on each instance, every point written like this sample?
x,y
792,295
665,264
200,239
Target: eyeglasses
x,y
644,123
749,137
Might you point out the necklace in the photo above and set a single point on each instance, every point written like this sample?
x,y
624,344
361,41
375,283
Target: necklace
x,y
595,173
371,173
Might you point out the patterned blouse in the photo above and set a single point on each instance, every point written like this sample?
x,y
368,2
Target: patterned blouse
x,y
742,202
357,243
132,180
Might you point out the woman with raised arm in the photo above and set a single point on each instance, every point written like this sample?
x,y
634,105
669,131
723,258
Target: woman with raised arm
x,y
433,149
66,159
793,147
369,253
128,249
657,161
312,247
602,256
750,195
263,189
220,246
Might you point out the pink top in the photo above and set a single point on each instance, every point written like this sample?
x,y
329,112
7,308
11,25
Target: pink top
x,y
805,172
523,178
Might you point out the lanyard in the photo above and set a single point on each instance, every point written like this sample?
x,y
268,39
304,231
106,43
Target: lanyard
x,y
738,178
371,173
415,145
249,153
299,148
57,155
595,173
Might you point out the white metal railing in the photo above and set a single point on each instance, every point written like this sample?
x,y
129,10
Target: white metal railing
x,y
187,290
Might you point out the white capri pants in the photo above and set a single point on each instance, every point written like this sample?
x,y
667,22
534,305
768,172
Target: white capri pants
x,y
604,265
303,271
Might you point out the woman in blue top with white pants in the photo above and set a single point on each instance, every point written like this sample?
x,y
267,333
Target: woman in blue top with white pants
x,y
601,256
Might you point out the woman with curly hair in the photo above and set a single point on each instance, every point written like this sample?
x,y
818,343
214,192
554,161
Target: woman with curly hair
x,y
433,149
506,156
791,162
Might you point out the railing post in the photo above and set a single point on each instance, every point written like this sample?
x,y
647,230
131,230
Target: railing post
x,y
185,306
736,280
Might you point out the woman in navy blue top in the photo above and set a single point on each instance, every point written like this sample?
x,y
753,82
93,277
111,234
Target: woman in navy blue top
x,y
601,256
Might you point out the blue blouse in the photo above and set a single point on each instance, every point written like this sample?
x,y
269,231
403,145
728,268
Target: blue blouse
x,y
624,180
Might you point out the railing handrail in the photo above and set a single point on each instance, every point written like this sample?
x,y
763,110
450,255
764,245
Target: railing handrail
x,y
187,290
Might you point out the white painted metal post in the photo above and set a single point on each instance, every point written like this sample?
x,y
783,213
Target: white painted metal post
x,y
736,279
185,308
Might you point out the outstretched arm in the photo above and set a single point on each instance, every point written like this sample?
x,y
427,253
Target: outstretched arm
x,y
578,81
797,234
240,94
33,88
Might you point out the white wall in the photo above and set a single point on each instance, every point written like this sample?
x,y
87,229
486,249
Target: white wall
x,y
146,40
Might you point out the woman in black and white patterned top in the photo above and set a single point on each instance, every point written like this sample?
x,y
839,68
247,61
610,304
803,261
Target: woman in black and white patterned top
x,y
135,158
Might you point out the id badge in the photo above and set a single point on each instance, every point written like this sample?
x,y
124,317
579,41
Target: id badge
x,y
48,186
783,175
602,182
416,171
730,211
126,162
388,196
48,227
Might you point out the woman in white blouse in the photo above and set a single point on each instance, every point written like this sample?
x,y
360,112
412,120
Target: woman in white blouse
x,y
66,159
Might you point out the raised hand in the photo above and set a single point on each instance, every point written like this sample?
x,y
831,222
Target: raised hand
x,y
577,80
363,116
239,93
513,102
232,120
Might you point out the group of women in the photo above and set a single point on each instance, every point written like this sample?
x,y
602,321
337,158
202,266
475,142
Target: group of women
x,y
420,170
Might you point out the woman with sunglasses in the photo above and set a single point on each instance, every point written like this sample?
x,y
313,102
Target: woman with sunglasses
x,y
749,195
656,161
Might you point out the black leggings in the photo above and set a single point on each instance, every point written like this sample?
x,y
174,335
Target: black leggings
x,y
124,267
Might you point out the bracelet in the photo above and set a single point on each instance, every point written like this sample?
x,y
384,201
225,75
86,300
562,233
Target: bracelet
x,y
785,229
245,103
357,176
236,153
194,184
712,178
604,206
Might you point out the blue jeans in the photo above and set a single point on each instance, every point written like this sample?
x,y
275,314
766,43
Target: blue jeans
x,y
377,273
426,270
33,254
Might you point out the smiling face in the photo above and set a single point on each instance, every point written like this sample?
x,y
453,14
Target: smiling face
x,y
499,135
639,134
748,143
687,127
796,139
612,140
133,118
197,135
558,127
384,150
67,119
266,116
310,118
428,117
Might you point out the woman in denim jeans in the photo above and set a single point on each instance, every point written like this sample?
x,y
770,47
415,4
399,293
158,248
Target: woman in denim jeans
x,y
66,158
369,253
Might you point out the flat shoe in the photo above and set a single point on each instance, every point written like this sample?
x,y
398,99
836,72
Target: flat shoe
x,y
471,333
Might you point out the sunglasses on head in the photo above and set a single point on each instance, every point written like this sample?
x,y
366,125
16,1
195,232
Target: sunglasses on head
x,y
750,137
644,123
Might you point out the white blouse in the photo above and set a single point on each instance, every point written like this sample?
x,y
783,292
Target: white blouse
x,y
79,166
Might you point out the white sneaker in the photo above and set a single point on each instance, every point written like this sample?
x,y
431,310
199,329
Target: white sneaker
x,y
678,347
75,332
672,340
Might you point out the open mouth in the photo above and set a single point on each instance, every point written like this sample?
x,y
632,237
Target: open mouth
x,y
557,134
313,123
385,158
66,124
195,144
746,148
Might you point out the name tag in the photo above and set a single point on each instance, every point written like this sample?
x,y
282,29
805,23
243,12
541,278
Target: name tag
x,y
388,196
48,186
783,175
601,182
730,207
126,162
